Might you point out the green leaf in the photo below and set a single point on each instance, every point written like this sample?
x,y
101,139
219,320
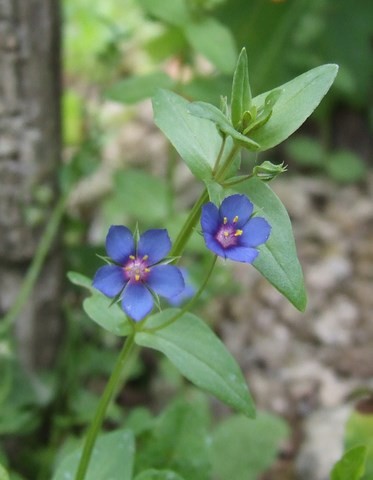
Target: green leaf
x,y
80,280
179,440
241,93
154,474
277,260
359,431
112,458
215,41
200,356
174,12
298,100
351,466
4,474
131,185
345,167
210,112
110,317
138,87
242,449
197,140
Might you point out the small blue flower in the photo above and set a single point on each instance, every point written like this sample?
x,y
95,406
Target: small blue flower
x,y
137,272
231,231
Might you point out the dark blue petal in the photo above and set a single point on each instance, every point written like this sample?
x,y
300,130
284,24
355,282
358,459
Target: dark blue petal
x,y
242,254
119,243
166,280
255,232
236,205
210,221
109,280
154,243
137,301
214,245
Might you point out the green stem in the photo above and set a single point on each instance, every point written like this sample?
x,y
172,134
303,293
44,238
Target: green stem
x,y
102,407
188,226
191,302
36,265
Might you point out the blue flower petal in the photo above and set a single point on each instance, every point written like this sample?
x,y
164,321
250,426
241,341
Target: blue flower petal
x,y
137,301
214,245
120,243
242,254
236,205
166,280
109,280
155,244
210,221
255,232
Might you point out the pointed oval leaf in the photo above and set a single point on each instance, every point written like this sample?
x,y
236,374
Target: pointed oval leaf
x,y
80,280
278,261
241,93
352,465
212,113
110,317
197,140
298,100
200,356
112,458
3,473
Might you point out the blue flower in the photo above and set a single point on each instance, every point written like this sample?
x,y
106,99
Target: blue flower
x,y
137,274
231,231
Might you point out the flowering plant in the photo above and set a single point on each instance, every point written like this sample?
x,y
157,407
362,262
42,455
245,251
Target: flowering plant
x,y
241,220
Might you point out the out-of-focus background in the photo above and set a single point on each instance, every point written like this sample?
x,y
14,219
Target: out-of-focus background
x,y
79,152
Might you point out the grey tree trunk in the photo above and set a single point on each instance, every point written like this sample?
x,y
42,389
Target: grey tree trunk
x,y
29,157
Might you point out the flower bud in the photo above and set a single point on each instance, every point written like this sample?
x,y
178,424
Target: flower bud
x,y
267,171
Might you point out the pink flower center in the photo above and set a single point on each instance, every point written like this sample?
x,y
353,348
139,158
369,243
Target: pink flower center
x,y
136,269
228,234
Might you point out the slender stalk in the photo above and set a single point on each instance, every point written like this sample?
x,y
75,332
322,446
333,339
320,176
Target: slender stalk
x,y
102,407
188,226
191,302
36,265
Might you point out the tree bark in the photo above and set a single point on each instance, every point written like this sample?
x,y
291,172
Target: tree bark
x,y
29,156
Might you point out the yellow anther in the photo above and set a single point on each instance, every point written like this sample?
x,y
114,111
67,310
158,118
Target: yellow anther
x,y
132,257
237,233
127,268
147,270
235,220
226,234
225,220
145,257
137,277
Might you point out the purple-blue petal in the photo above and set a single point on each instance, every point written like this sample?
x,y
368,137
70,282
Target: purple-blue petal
x,y
236,205
213,245
155,244
242,254
210,221
137,301
109,280
120,243
166,280
255,232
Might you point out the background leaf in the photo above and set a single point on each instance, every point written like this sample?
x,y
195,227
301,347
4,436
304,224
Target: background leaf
x,y
278,261
200,356
138,87
112,459
241,93
154,474
211,38
242,450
